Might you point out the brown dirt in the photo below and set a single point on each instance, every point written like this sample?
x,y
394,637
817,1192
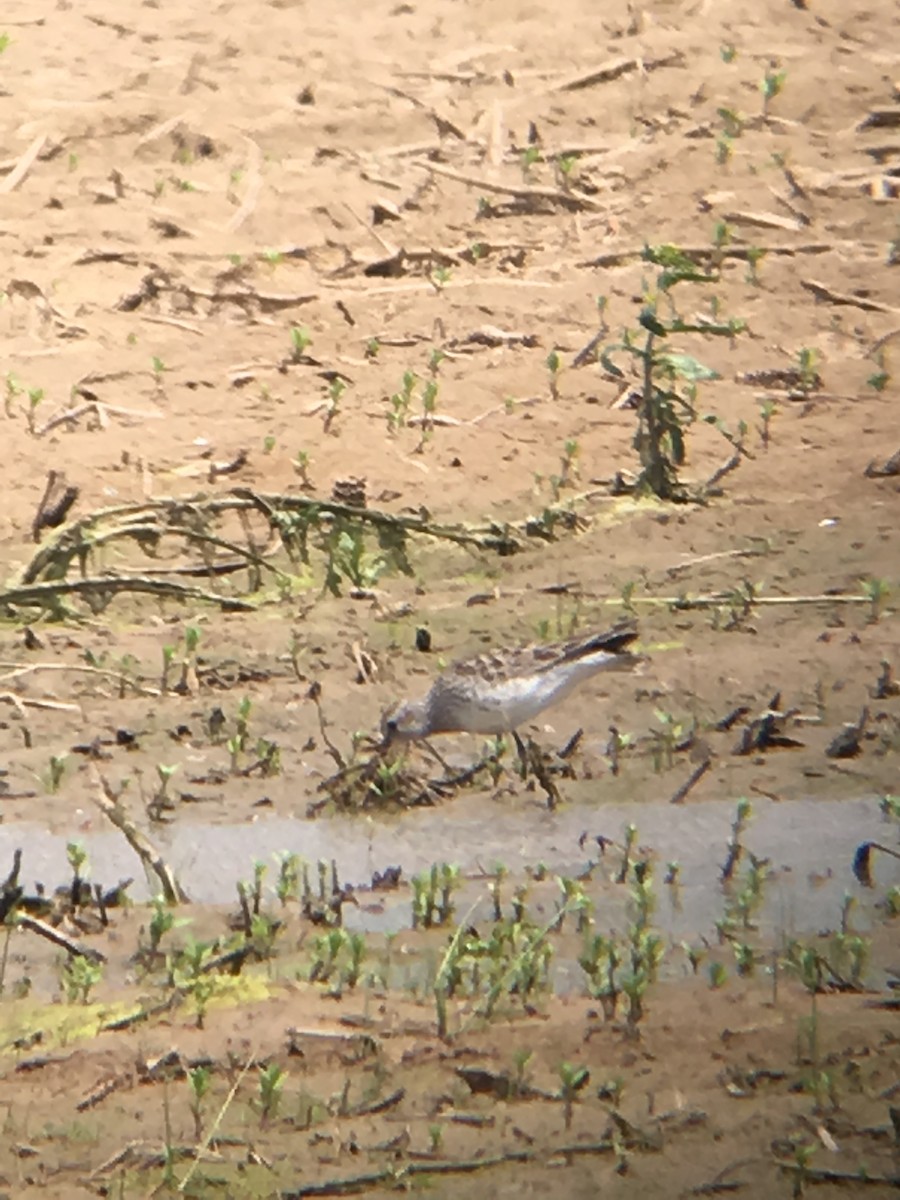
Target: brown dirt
x,y
206,182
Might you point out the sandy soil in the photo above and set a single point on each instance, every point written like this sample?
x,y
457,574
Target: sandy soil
x,y
183,189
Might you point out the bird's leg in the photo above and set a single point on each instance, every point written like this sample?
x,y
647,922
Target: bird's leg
x,y
434,754
524,757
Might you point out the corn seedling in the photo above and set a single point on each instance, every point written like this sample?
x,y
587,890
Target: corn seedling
x,y
268,444
772,85
288,884
159,370
744,959
160,801
300,343
271,1086
12,390
755,255
429,408
807,365
198,1081
572,1080
879,379
695,956
600,959
521,1059
717,974
56,770
500,873
876,591
724,149
743,813
554,365
767,410
79,977
301,466
665,740
162,921
168,657
336,389
728,52
529,156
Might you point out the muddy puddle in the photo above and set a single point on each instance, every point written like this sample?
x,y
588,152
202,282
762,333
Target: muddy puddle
x,y
809,845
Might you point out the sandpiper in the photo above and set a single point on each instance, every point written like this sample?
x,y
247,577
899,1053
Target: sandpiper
x,y
497,692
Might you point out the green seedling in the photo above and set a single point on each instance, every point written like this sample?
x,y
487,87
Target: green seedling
x,y
695,956
600,959
271,1086
566,168
300,343
373,348
301,466
35,396
243,722
199,1080
500,873
168,657
160,799
771,86
669,377
554,365
879,379
728,52
732,122
12,390
336,389
233,745
401,402
429,408
743,813
724,150
807,364
439,278
569,464
269,444
521,1059
530,155
288,885
56,769
159,369
79,976
665,740
77,858
162,921
718,975
744,958
755,255
572,1080
767,411
876,591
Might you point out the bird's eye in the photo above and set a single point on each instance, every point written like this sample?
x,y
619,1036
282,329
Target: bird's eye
x,y
390,726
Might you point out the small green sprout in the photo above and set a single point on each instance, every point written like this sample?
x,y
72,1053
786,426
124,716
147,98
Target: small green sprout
x,y
554,365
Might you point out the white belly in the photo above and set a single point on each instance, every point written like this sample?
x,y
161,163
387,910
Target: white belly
x,y
517,702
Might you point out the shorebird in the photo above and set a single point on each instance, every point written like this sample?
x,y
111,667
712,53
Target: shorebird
x,y
497,692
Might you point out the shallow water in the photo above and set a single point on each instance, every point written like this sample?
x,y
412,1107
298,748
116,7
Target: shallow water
x,y
810,845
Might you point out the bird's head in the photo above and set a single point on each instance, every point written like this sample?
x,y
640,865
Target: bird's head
x,y
404,722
